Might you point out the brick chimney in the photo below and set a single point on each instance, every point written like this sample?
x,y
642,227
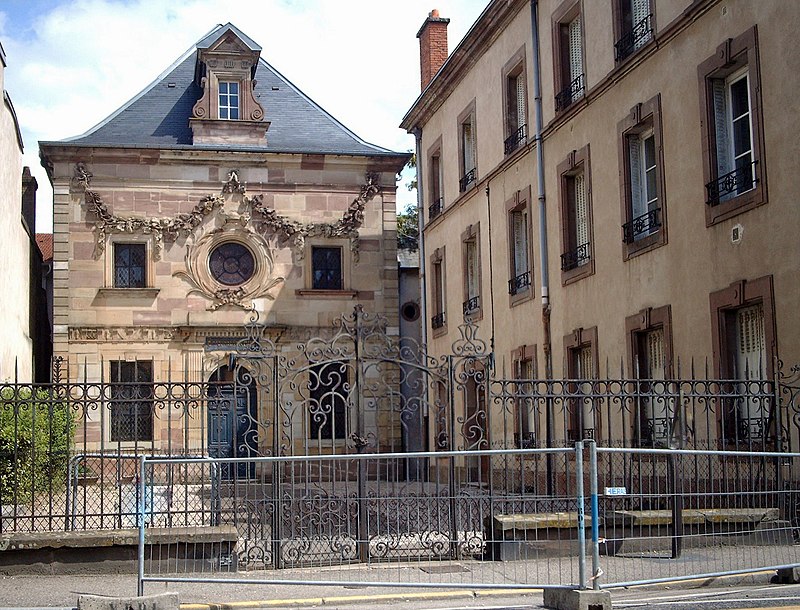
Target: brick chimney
x,y
432,46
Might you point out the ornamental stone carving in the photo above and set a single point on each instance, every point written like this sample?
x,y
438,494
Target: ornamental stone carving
x,y
168,229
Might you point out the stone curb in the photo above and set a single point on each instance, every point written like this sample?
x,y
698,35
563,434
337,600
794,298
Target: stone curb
x,y
360,599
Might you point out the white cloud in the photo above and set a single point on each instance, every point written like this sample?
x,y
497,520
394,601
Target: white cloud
x,y
76,62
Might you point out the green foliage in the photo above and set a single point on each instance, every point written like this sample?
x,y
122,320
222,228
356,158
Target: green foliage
x,y
408,229
35,438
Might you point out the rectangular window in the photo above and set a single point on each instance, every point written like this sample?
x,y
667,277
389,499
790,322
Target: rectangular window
x,y
228,100
650,333
519,282
326,268
468,161
525,424
733,139
576,226
131,401
438,319
470,240
436,188
643,200
516,122
570,81
633,27
327,401
129,265
744,347
582,419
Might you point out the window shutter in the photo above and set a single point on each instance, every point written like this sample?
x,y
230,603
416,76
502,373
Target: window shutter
x,y
584,362
581,220
638,206
472,271
436,178
655,354
520,243
721,127
575,49
520,100
640,10
469,146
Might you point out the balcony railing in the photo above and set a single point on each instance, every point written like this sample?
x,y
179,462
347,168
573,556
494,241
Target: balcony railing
x,y
636,38
514,141
434,209
468,179
570,93
575,258
733,183
519,283
437,321
641,226
472,305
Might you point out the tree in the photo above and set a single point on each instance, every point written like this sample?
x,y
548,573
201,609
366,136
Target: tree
x,y
408,228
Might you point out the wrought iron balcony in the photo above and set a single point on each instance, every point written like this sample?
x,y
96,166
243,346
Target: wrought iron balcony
x,y
570,93
641,226
575,258
519,283
733,183
514,141
630,41
468,179
434,209
472,305
437,321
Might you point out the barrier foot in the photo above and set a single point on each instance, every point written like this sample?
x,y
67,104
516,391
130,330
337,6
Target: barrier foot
x,y
577,599
161,601
787,576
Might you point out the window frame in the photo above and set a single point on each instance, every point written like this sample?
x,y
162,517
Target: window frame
x,y
525,427
519,203
145,270
312,269
636,326
468,176
435,186
641,119
620,30
472,235
577,340
131,403
515,137
577,162
566,13
228,95
438,291
730,57
337,393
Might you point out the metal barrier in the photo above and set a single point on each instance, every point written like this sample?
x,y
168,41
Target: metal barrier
x,y
359,520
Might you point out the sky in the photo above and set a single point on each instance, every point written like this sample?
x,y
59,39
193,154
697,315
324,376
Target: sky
x,y
71,63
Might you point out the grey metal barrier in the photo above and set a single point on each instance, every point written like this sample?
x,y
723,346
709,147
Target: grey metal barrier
x,y
371,520
659,519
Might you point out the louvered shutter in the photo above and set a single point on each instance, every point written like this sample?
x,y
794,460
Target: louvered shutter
x,y
436,178
472,270
585,370
750,364
638,206
721,127
520,243
581,215
655,364
521,120
640,9
575,50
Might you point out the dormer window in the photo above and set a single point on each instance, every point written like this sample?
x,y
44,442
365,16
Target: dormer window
x,y
229,100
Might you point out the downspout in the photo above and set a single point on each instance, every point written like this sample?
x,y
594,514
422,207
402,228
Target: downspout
x,y
546,338
421,241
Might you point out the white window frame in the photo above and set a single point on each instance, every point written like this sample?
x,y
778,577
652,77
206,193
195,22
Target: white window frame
x,y
229,101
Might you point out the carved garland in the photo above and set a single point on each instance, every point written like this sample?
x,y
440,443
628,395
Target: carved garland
x,y
169,229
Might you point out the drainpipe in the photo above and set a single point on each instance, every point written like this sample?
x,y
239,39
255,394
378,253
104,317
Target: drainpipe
x,y
420,240
546,338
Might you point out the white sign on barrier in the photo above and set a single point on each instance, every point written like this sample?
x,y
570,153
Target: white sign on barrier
x,y
616,491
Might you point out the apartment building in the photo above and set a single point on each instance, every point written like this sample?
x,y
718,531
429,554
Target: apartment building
x,y
606,191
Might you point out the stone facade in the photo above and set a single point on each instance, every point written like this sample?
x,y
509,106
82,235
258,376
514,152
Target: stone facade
x,y
680,271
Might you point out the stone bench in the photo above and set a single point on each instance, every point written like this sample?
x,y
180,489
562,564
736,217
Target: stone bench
x,y
533,535
115,551
647,530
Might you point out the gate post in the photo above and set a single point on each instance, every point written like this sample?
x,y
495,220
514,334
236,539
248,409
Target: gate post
x,y
452,469
595,514
141,512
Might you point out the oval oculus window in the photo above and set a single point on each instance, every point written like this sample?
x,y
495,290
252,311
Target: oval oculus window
x,y
231,263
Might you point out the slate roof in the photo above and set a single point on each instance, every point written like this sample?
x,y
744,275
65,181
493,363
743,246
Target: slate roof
x,y
158,117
